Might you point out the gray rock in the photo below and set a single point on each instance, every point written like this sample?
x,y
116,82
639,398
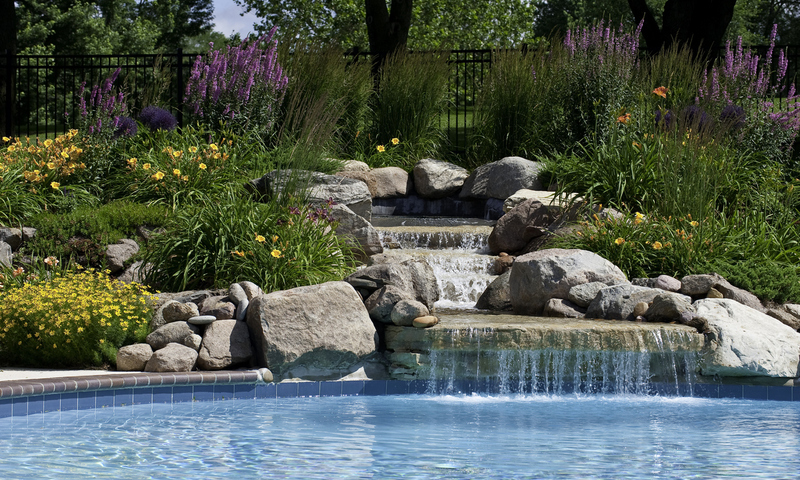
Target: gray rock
x,y
714,293
740,295
194,296
388,257
668,308
236,293
11,236
119,253
644,282
157,320
173,332
405,311
558,307
793,309
698,284
617,302
356,232
179,312
136,272
28,233
219,307
640,309
670,284
133,358
515,229
193,341
437,179
226,343
414,276
354,166
266,375
5,254
745,342
502,178
497,295
202,320
549,199
502,263
319,188
583,294
251,289
381,303
365,177
391,182
784,317
539,276
323,327
172,358
241,310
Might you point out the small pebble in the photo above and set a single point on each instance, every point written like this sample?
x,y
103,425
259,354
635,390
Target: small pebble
x,y
425,322
202,319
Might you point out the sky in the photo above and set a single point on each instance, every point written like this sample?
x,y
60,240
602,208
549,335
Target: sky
x,y
227,18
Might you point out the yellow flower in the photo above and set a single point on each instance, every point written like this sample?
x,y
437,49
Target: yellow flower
x,y
11,148
132,161
276,253
6,139
177,153
661,92
176,172
55,185
202,166
192,149
260,238
146,166
619,241
639,218
51,165
185,178
274,238
213,146
48,142
381,148
694,223
157,176
65,154
657,245
395,141
238,253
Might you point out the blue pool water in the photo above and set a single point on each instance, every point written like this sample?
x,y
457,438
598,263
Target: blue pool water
x,y
416,437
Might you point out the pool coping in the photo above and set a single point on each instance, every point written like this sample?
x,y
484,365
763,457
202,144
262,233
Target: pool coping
x,y
32,396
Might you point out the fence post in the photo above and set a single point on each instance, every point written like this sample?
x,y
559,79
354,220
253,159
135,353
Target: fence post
x,y
11,63
180,87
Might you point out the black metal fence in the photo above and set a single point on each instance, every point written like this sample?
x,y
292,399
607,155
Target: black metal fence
x,y
42,100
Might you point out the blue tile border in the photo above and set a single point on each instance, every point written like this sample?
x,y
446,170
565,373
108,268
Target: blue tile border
x,y
142,389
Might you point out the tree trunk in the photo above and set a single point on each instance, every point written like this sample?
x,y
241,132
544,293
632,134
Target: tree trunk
x,y
700,25
8,43
388,29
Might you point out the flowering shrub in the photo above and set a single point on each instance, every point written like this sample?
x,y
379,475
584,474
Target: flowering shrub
x,y
157,118
242,85
235,239
127,128
73,319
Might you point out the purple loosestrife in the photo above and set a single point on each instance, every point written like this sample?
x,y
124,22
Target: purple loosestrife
x,y
241,84
103,108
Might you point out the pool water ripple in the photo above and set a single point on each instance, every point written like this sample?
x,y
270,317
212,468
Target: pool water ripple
x,y
420,437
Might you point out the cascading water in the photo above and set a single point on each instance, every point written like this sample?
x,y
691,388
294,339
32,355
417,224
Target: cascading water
x,y
472,351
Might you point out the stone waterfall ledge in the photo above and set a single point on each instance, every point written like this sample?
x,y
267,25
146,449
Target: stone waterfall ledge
x,y
516,332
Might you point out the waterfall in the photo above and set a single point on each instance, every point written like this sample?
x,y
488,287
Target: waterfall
x,y
558,371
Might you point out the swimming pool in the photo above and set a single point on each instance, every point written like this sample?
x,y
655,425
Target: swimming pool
x,y
411,436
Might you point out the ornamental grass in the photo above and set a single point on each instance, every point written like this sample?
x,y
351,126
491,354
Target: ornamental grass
x,y
70,319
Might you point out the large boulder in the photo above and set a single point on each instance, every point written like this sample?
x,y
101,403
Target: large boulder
x,y
319,188
497,295
11,236
226,343
438,179
539,276
174,357
119,253
515,229
179,312
323,328
6,254
502,178
173,332
549,199
133,358
357,232
617,302
414,276
391,182
381,303
740,295
745,342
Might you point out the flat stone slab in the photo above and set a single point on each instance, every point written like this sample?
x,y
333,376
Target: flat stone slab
x,y
202,319
511,332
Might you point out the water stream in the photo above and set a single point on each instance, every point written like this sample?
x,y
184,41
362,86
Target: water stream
x,y
471,350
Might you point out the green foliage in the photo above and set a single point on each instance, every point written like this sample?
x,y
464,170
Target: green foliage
x,y
77,319
408,105
85,231
236,239
764,277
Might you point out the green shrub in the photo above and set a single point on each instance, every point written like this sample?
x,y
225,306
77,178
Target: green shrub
x,y
86,231
236,239
764,277
77,319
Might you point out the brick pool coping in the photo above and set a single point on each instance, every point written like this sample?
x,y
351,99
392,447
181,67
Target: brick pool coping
x,y
32,396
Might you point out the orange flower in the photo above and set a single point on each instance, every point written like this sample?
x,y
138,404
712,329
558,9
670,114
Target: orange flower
x,y
619,241
661,92
624,118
